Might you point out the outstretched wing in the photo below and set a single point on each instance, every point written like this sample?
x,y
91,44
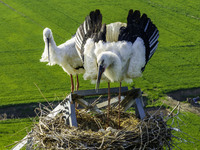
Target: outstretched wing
x,y
140,26
91,28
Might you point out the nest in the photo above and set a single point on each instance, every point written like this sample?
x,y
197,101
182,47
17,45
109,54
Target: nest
x,y
95,132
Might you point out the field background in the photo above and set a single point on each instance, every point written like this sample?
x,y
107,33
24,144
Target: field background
x,y
174,66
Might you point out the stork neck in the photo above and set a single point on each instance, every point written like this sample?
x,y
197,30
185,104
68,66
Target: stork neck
x,y
114,67
53,52
52,44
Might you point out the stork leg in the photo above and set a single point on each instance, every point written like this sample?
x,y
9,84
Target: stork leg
x,y
72,83
77,87
119,101
108,115
77,82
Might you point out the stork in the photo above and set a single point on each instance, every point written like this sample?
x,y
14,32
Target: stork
x,y
64,55
120,60
126,59
87,35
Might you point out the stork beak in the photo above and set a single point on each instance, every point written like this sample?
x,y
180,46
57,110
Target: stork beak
x,y
100,72
48,49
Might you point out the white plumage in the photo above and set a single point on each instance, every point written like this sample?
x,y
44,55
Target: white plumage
x,y
93,49
64,55
113,30
123,60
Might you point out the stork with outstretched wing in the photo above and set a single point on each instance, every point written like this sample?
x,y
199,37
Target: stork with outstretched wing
x,y
120,60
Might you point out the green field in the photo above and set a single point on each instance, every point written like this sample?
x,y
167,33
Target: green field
x,y
174,66
13,130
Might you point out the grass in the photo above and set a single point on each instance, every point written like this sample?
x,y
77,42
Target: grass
x,y
188,123
13,130
174,66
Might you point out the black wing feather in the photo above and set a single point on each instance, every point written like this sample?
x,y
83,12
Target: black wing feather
x,y
91,28
140,26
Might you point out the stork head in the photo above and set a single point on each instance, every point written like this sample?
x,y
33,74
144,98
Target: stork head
x,y
47,35
103,61
110,63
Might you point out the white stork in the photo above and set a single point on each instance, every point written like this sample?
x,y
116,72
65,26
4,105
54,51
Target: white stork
x,y
64,55
119,60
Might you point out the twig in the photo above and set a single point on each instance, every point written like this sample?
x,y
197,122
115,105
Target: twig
x,y
43,95
174,109
100,147
96,101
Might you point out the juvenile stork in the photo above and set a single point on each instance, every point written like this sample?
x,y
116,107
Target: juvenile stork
x,y
120,60
126,59
64,55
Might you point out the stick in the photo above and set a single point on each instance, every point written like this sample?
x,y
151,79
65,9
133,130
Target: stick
x,y
174,109
43,95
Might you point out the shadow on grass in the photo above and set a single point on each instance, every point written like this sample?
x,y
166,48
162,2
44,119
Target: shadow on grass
x,y
23,110
183,94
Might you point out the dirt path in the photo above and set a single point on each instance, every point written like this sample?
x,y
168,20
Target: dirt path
x,y
184,106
